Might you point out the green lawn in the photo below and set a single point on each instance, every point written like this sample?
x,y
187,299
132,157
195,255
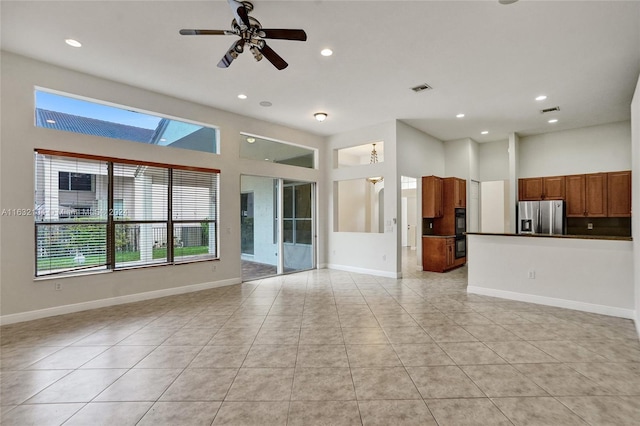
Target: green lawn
x,y
48,263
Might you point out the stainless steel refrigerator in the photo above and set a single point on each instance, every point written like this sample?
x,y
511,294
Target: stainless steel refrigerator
x,y
541,217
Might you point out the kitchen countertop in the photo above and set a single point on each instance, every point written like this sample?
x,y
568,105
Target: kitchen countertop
x,y
576,237
438,236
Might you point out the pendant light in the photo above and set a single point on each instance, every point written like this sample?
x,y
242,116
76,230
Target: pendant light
x,y
374,160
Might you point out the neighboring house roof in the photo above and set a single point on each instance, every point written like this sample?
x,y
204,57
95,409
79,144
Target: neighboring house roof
x,y
91,126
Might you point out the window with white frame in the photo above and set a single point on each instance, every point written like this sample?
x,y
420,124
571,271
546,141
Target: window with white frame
x,y
134,214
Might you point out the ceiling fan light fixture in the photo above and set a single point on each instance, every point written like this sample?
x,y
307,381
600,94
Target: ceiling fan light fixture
x,y
321,116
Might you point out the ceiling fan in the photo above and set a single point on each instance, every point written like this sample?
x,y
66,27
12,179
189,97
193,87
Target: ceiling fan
x,y
252,36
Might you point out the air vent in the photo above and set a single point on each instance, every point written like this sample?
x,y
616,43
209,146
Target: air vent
x,y
421,88
546,110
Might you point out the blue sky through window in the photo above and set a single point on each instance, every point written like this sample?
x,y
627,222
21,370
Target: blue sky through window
x,y
53,102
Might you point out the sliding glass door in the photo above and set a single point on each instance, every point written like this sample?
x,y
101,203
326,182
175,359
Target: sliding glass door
x,y
277,226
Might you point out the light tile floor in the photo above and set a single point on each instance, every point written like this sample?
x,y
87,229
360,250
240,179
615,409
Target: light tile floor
x,y
323,347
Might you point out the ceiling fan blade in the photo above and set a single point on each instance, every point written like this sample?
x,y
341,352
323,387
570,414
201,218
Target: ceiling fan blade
x,y
232,53
283,34
240,13
205,32
273,57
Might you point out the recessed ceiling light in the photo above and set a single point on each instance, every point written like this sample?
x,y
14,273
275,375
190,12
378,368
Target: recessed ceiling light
x,y
460,116
320,116
541,98
484,132
51,121
266,159
242,96
73,43
326,52
265,104
251,140
553,120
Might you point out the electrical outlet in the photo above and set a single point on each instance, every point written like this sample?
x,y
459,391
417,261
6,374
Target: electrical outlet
x,y
532,274
589,225
384,257
57,286
213,268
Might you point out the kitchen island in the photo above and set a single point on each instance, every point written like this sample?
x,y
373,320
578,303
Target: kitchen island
x,y
587,273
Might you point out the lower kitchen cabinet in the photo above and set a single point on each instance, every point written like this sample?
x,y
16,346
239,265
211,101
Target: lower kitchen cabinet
x,y
438,254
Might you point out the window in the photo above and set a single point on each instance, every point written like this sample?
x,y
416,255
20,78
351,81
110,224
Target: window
x,y
68,181
132,214
262,149
297,218
54,111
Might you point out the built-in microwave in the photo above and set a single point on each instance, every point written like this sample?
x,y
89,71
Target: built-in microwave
x,y
461,221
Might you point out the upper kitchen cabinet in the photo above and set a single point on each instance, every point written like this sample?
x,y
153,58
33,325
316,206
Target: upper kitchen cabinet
x,y
542,188
432,197
586,195
455,188
619,194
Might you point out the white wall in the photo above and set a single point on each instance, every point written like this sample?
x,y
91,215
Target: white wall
x,y
456,158
586,150
374,253
635,198
493,159
494,211
588,275
20,293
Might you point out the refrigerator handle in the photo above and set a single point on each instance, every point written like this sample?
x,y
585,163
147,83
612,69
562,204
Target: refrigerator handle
x,y
539,230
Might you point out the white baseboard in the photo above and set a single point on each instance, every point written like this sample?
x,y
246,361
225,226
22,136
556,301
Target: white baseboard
x,y
111,301
365,271
552,301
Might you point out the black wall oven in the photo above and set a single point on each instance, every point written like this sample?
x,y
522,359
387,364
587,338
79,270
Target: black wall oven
x,y
461,246
461,222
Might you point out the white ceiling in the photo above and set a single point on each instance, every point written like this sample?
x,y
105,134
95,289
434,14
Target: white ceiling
x,y
486,60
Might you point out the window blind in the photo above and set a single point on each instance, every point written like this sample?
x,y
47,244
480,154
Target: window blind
x,y
122,213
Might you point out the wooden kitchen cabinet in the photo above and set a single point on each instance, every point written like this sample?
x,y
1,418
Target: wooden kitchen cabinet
x,y
619,194
455,192
530,189
541,188
459,193
586,195
432,197
438,254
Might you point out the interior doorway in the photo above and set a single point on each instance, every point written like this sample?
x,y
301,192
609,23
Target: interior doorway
x,y
408,221
277,226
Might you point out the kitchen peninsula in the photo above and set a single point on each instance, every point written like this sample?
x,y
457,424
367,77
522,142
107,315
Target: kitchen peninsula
x,y
587,273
